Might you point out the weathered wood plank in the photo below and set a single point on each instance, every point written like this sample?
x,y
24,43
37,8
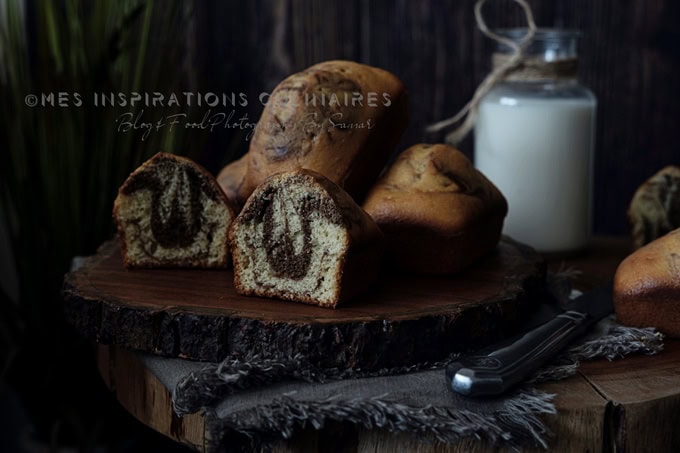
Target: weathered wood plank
x,y
645,396
145,397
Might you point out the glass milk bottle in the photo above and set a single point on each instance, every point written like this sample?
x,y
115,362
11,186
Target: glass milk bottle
x,y
534,139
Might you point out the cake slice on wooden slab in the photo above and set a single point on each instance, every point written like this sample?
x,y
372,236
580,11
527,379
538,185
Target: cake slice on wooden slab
x,y
301,237
171,212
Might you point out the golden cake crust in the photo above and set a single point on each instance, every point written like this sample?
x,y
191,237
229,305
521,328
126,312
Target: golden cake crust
x,y
438,212
647,286
357,118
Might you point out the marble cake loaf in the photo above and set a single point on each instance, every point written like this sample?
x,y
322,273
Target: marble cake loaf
x,y
647,286
338,118
438,213
301,237
170,212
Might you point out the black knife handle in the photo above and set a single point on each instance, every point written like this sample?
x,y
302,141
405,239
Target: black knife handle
x,y
496,371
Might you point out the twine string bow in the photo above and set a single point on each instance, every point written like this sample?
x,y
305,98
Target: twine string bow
x,y
469,111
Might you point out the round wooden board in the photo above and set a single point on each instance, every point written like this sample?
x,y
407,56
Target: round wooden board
x,y
406,319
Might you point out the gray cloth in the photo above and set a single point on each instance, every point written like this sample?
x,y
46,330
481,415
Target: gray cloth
x,y
418,402
271,398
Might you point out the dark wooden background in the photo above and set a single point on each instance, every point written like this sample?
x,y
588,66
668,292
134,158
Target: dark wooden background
x,y
630,58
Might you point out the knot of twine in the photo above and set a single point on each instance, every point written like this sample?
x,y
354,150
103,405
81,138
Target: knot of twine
x,y
536,68
499,72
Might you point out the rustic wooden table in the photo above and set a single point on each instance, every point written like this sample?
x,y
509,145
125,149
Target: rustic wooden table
x,y
626,405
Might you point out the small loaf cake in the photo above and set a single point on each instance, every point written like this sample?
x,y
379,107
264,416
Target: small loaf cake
x,y
647,286
338,118
301,237
170,212
231,180
438,213
655,208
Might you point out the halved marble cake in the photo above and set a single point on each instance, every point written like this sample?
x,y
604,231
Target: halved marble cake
x,y
170,212
301,237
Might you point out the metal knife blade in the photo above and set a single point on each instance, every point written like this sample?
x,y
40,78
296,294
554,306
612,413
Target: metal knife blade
x,y
499,368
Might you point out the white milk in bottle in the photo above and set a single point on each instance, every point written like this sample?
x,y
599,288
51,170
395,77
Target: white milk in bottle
x,y
534,139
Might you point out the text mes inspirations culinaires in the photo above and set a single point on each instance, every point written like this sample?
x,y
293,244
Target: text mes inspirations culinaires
x,y
209,99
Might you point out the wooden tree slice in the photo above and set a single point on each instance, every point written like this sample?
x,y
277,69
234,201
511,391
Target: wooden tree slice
x,y
407,319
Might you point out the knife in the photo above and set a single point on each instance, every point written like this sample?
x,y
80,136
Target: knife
x,y
496,369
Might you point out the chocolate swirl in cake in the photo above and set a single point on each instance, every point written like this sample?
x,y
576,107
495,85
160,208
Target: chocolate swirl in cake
x,y
174,223
296,237
287,228
171,212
